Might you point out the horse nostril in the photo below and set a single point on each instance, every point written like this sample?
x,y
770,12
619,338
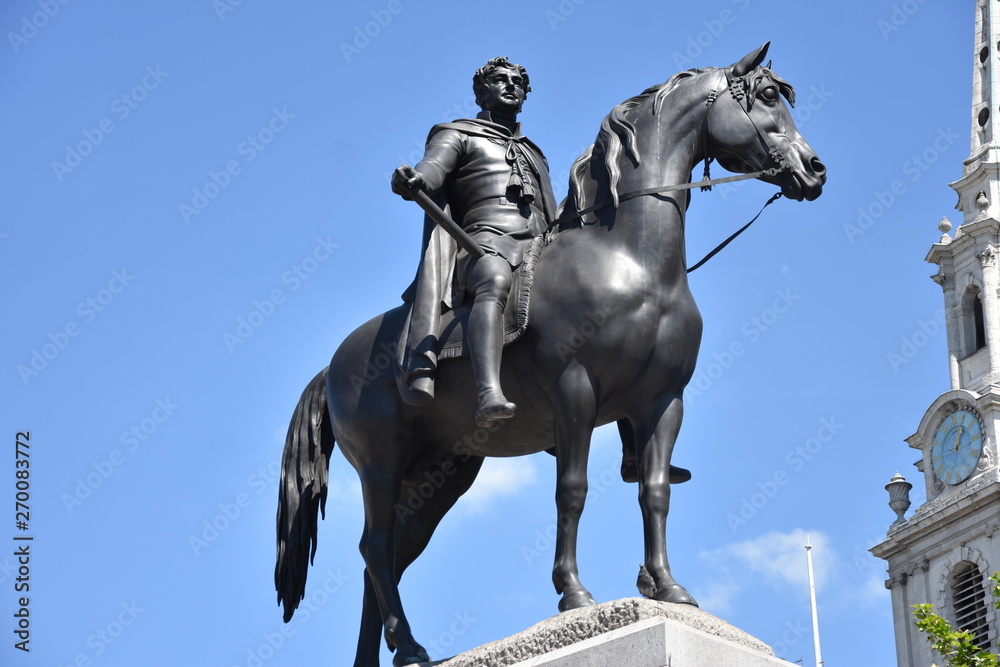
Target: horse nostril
x,y
817,167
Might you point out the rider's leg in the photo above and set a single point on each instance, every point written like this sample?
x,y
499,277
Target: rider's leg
x,y
489,280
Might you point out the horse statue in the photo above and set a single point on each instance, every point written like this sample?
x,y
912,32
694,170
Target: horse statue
x,y
614,268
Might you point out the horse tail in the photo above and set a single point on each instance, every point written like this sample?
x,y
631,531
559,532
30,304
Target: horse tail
x,y
302,491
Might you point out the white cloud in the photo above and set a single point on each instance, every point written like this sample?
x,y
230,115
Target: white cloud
x,y
498,478
343,492
777,559
874,592
717,595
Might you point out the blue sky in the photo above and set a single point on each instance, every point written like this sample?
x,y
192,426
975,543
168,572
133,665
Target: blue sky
x,y
197,212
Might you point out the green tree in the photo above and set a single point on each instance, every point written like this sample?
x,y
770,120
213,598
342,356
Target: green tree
x,y
955,646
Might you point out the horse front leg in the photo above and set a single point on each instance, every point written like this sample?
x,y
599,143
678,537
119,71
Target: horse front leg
x,y
655,444
574,416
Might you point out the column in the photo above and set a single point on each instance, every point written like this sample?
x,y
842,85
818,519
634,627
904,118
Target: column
x,y
991,316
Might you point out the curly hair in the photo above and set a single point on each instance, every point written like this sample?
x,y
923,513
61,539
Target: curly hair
x,y
479,79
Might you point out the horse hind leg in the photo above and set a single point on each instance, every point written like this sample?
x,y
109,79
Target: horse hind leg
x,y
414,527
380,486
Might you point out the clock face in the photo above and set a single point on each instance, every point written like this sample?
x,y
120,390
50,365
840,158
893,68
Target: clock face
x,y
957,445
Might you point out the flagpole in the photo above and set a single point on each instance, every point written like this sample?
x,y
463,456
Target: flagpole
x,y
812,601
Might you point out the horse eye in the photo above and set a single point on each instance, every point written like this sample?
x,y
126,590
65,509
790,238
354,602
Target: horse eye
x,y
770,94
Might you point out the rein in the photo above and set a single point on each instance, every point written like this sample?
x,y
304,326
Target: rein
x,y
706,183
775,197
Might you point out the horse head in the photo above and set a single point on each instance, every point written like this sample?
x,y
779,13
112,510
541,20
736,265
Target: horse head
x,y
735,115
749,128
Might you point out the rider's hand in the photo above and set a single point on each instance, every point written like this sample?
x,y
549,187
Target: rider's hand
x,y
406,180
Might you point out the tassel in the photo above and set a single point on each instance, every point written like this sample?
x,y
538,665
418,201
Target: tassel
x,y
518,182
707,175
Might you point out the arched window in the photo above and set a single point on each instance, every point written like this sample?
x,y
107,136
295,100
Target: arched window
x,y
973,324
969,603
979,329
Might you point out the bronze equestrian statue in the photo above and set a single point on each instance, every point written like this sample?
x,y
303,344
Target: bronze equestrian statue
x,y
615,259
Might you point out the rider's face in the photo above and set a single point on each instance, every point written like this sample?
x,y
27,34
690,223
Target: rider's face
x,y
504,91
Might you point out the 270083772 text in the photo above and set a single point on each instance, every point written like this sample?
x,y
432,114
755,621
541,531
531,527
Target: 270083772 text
x,y
22,542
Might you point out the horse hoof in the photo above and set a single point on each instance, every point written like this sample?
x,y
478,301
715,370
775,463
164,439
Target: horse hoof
x,y
414,657
675,593
576,600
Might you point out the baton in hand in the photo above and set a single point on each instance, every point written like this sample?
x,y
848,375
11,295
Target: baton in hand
x,y
441,218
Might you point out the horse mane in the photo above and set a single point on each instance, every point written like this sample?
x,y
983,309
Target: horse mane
x,y
618,133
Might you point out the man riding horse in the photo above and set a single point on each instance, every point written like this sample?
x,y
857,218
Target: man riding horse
x,y
495,182
632,370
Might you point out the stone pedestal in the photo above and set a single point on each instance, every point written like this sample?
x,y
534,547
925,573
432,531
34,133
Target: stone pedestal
x,y
634,632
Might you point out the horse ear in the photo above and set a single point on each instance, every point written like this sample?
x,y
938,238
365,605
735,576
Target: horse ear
x,y
751,60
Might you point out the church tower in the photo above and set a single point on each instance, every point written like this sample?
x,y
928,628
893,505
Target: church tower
x,y
945,552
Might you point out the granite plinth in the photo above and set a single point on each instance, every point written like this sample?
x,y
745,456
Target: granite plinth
x,y
634,631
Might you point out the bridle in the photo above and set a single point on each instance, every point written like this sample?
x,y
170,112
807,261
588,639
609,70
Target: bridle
x,y
737,87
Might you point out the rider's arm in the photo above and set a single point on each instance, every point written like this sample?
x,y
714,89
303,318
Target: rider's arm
x,y
441,157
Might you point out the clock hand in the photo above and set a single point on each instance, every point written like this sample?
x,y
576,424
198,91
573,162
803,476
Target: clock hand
x,y
958,438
